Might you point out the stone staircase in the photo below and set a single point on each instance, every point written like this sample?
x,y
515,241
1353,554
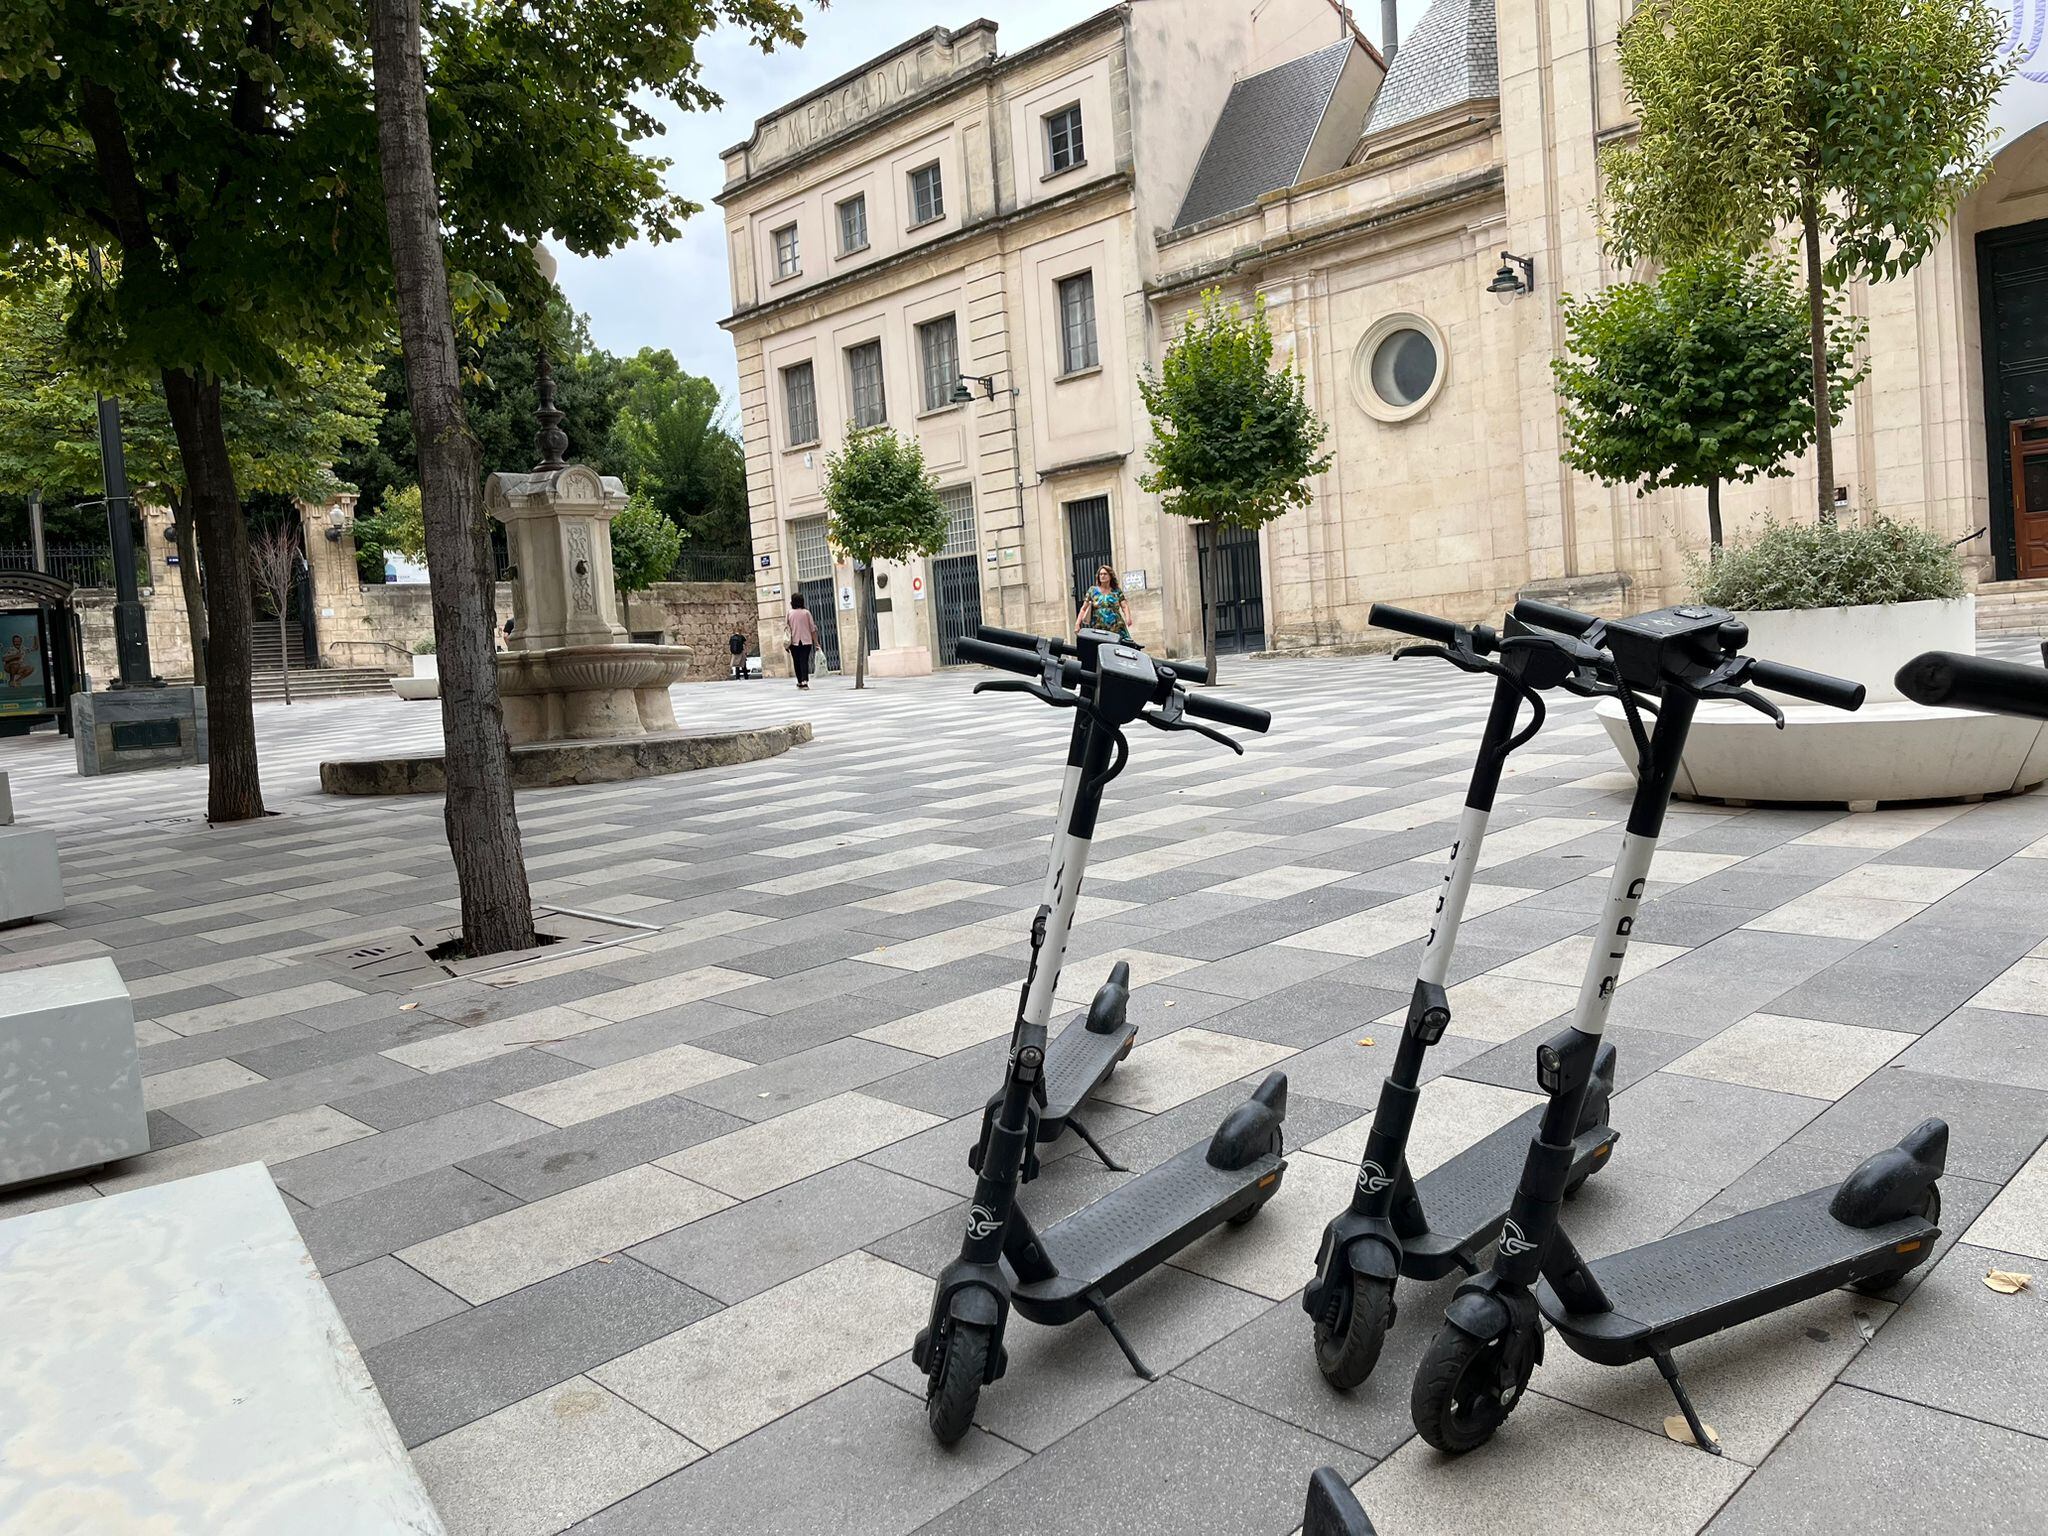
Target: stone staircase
x,y
2013,607
267,685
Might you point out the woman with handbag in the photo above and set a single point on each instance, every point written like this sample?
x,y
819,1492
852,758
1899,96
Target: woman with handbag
x,y
803,639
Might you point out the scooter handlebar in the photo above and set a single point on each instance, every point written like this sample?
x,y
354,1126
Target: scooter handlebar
x,y
1406,621
1566,621
995,634
1814,687
1009,658
1949,680
1245,717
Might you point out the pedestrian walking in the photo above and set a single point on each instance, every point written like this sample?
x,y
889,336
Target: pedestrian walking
x,y
803,639
737,644
1103,607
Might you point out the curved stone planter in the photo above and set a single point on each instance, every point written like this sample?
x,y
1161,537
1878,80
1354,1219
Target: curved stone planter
x,y
545,764
590,692
1890,750
416,687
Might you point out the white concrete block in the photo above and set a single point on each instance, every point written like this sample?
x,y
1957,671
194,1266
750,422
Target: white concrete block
x,y
6,803
70,1083
170,1361
31,885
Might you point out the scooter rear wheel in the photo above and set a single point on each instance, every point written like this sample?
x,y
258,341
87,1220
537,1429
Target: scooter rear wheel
x,y
956,1383
1877,1285
1466,1387
1346,1358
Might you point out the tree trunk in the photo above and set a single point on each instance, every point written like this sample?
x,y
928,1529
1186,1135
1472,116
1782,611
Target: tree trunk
x,y
483,827
234,790
190,584
1817,316
1205,560
860,627
1714,517
284,656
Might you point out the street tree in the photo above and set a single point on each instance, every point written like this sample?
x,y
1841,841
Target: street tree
x,y
1857,123
1234,442
274,562
884,505
1699,377
645,545
672,439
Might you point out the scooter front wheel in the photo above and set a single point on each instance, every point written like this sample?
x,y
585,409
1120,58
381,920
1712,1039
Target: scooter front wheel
x,y
1346,1358
956,1381
1466,1387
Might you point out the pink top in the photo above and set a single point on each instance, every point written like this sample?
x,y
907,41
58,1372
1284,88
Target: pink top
x,y
803,629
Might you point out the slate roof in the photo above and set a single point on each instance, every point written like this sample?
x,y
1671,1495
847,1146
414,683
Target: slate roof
x,y
1263,134
1451,56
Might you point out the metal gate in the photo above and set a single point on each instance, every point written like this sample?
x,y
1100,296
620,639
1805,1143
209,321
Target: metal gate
x,y
2012,278
956,575
1088,539
814,580
1239,598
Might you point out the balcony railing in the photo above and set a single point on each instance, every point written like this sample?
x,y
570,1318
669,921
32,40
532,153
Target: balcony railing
x,y
83,565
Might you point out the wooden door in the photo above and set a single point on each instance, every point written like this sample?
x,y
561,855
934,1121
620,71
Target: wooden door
x,y
2030,496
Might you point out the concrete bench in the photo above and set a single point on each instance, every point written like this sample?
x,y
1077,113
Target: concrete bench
x,y
171,1364
70,1083
31,883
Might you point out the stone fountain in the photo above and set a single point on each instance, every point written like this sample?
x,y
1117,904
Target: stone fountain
x,y
571,673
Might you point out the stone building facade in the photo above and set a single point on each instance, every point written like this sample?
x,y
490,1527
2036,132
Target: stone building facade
x,y
1372,208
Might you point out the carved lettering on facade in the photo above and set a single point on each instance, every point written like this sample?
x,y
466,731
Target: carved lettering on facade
x,y
875,90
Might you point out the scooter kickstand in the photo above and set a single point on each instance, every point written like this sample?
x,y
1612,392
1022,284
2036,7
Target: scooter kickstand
x,y
1700,1437
1099,1305
1080,1130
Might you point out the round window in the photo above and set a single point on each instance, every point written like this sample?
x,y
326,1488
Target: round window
x,y
1403,368
1398,367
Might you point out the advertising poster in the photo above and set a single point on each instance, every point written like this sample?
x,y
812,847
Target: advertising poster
x,y
23,688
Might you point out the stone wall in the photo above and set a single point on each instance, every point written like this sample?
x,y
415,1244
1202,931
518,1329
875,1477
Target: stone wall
x,y
699,614
170,637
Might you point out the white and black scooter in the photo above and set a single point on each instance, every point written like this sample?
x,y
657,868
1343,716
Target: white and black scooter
x,y
1425,1228
1643,1302
1075,1265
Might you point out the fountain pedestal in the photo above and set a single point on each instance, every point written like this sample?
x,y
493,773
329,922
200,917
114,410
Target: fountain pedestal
x,y
571,673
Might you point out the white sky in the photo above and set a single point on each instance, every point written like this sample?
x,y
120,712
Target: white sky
x,y
674,295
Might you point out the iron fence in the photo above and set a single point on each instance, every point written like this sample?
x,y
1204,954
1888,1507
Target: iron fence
x,y
83,565
706,565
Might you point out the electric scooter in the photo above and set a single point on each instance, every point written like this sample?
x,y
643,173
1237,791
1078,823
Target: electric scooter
x,y
1075,1265
1084,1055
1643,1302
1425,1228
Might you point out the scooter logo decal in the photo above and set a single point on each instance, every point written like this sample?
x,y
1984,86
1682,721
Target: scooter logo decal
x,y
980,1222
1511,1240
1372,1178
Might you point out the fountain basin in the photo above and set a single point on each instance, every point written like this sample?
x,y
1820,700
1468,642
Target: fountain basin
x,y
590,692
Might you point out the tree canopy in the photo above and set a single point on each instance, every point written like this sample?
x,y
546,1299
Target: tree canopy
x,y
645,544
1699,377
673,440
884,505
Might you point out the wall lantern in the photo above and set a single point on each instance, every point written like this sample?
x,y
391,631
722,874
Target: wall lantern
x,y
1517,276
337,523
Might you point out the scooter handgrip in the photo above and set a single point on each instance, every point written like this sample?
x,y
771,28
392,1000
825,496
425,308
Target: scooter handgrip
x,y
1007,657
1566,621
1950,680
1246,717
1814,687
1187,671
995,634
1423,626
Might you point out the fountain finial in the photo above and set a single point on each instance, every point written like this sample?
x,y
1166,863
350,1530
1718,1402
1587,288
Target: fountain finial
x,y
551,442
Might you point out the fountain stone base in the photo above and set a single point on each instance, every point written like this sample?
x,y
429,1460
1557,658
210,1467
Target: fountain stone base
x,y
590,692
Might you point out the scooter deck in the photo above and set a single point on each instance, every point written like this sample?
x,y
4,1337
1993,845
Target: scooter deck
x,y
1466,1199
1694,1283
1076,1062
1104,1246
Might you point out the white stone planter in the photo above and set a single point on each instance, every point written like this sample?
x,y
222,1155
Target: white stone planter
x,y
1890,750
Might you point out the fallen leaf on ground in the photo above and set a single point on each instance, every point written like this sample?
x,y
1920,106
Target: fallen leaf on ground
x,y
407,1007
1368,1040
2007,1282
1675,1428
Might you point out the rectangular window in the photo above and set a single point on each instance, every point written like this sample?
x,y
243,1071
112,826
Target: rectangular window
x,y
853,225
938,347
1063,149
788,263
813,554
1077,322
927,197
800,399
958,501
864,374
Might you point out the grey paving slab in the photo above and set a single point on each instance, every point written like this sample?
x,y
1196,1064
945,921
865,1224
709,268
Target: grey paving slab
x,y
326,1084
1859,1458
389,1156
742,1251
423,1095
304,1053
353,1231
1710,987
1986,1045
1696,1128
1993,1128
171,1054
449,1373
555,1160
1637,1053
688,1024
1173,1457
386,1298
790,1082
763,1040
857,1461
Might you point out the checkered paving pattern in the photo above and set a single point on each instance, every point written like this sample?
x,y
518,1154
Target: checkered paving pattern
x,y
636,1239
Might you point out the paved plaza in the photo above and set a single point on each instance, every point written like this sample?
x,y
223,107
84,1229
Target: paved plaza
x,y
636,1240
